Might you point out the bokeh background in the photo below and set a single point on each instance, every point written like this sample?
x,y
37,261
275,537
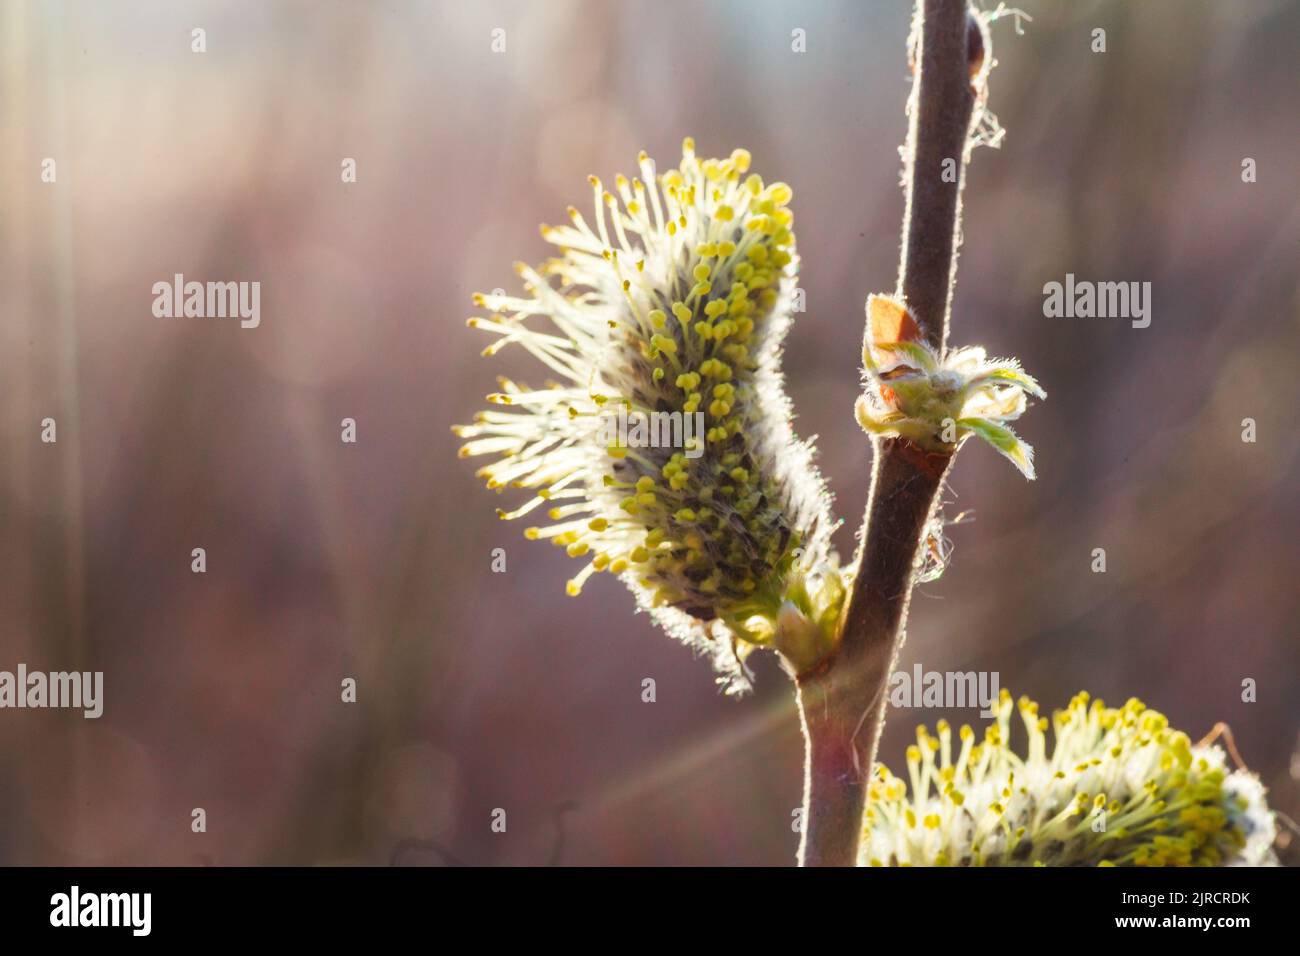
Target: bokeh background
x,y
479,690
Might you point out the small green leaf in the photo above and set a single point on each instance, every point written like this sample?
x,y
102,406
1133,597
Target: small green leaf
x,y
1005,441
918,355
1008,373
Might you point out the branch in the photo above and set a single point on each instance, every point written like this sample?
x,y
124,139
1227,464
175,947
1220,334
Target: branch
x,y
842,703
940,108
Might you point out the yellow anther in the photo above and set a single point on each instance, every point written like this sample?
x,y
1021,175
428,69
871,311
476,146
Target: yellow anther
x,y
664,344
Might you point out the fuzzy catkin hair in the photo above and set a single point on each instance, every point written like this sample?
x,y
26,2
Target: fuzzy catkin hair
x,y
676,303
1119,787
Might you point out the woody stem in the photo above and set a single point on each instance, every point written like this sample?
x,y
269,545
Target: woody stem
x,y
842,705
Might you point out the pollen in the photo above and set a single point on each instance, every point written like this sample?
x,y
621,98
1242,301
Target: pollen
x,y
714,528
1102,795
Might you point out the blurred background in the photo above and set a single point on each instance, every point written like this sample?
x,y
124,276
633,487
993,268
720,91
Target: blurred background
x,y
476,690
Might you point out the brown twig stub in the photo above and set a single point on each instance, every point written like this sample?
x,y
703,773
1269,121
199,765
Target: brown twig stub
x,y
843,707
